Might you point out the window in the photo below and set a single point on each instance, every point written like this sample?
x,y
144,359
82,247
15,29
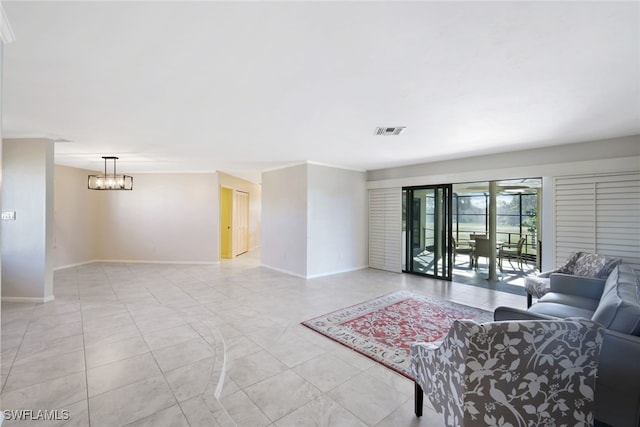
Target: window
x,y
516,211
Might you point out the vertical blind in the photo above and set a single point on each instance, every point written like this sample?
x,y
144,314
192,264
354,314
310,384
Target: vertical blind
x,y
598,214
385,229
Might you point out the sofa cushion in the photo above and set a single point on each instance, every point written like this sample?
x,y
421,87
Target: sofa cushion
x,y
560,310
619,307
572,300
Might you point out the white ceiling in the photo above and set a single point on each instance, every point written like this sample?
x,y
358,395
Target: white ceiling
x,y
244,87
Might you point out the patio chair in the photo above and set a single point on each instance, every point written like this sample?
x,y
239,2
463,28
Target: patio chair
x,y
482,248
512,250
468,250
513,373
474,236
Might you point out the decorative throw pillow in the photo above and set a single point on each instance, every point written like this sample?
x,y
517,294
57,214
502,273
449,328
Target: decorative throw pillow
x,y
569,264
609,265
594,265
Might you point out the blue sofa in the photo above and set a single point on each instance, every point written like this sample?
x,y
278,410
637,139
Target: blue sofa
x,y
614,303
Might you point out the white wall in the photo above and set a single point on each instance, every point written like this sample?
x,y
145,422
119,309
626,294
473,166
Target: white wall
x,y
75,218
166,218
1,53
284,220
337,218
314,220
603,156
255,204
27,241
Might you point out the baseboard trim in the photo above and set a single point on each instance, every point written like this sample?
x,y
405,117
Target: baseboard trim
x,y
78,264
314,276
29,299
282,270
347,270
124,261
129,261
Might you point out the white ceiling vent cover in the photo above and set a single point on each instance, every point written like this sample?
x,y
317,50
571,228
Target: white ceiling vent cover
x,y
389,131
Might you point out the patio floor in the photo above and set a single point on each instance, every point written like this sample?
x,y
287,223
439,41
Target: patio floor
x,y
510,279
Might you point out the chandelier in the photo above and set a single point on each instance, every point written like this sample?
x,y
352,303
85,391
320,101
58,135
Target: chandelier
x,y
110,181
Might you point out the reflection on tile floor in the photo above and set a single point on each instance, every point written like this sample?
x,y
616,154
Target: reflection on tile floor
x,y
139,344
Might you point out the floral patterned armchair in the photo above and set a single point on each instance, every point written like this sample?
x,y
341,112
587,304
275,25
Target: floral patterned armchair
x,y
515,373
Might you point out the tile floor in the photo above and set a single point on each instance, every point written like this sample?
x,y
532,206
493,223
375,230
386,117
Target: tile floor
x,y
140,345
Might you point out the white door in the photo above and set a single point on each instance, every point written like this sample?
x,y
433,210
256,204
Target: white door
x,y
240,222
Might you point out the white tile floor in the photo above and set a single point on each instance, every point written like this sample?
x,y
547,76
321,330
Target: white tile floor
x,y
139,345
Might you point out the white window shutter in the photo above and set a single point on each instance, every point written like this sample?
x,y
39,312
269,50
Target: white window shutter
x,y
385,229
598,214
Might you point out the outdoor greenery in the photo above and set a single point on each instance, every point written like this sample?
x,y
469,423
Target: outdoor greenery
x,y
516,216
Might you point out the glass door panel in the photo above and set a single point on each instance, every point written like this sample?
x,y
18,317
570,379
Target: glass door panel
x,y
405,220
428,243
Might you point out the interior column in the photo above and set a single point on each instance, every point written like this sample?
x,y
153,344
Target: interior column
x,y
27,225
493,190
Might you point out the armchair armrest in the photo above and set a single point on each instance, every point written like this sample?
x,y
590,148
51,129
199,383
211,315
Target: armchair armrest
x,y
435,369
588,287
547,274
617,386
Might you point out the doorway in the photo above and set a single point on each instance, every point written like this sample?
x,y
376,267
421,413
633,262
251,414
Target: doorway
x,y
440,220
226,222
234,222
518,202
427,227
240,222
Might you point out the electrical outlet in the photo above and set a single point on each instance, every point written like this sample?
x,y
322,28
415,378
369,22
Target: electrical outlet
x,y
9,215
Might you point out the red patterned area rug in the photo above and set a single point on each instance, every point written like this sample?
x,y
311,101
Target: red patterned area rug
x,y
384,328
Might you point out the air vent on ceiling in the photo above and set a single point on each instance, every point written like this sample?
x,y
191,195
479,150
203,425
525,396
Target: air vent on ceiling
x,y
389,130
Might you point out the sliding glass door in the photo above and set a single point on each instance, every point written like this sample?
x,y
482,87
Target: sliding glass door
x,y
427,227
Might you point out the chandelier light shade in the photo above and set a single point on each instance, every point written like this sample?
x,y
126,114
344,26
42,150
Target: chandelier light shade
x,y
110,181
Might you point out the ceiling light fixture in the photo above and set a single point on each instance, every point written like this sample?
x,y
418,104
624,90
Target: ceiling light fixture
x,y
110,181
388,131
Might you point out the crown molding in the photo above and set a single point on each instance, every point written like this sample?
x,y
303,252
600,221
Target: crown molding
x,y
6,33
311,162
